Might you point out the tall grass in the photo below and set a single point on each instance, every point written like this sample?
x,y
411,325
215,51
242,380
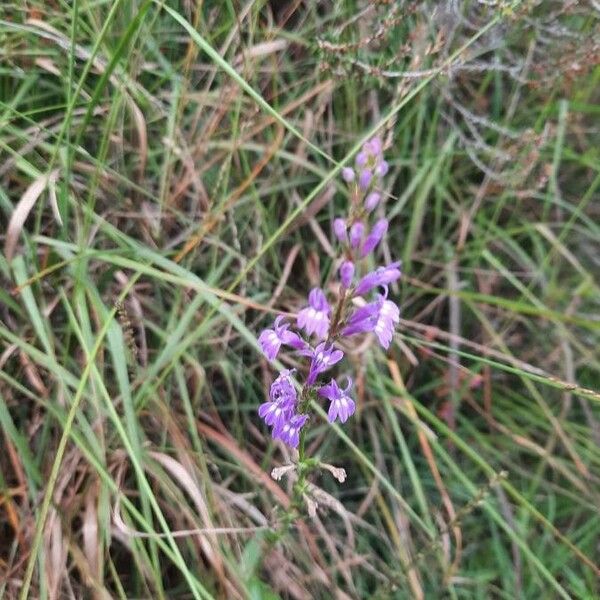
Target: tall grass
x,y
168,173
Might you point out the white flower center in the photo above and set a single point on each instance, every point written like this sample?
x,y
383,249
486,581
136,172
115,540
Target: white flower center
x,y
386,309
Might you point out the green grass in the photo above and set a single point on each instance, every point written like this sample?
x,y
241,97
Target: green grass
x,y
197,149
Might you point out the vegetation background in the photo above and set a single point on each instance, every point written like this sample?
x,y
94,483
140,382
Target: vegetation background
x,y
168,174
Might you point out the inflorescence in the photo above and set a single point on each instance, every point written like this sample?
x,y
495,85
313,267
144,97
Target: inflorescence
x,y
352,312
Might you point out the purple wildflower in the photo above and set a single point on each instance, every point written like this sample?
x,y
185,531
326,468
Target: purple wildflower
x,y
371,201
379,230
388,318
363,319
380,317
348,174
347,273
271,340
290,431
381,276
282,401
341,405
356,234
339,228
323,358
315,317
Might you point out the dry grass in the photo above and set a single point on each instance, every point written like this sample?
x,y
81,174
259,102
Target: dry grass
x,y
168,173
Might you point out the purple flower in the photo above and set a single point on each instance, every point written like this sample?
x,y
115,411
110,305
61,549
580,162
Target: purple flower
x,y
271,340
380,317
323,358
347,273
388,318
315,317
348,174
341,405
356,234
381,276
365,178
379,230
363,319
289,432
339,228
282,401
372,200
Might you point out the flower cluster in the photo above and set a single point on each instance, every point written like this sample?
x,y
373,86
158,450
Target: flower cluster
x,y
325,324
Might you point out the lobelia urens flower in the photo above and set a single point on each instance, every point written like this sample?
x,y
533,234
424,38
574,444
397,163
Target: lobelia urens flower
x,y
271,340
336,313
290,432
282,401
315,317
323,357
380,317
340,404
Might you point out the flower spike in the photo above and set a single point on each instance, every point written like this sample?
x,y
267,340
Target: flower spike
x,y
288,409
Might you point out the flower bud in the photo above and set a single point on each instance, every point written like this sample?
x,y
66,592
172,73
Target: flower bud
x,y
348,174
356,234
375,146
365,179
339,229
361,159
379,230
347,273
382,168
372,200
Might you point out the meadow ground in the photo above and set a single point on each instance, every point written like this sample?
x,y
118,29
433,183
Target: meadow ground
x,y
169,170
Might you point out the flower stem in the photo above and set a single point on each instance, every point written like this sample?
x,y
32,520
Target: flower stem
x,y
302,447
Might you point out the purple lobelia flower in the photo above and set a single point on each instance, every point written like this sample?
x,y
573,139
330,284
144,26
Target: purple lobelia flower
x,y
387,319
363,319
380,317
315,317
282,401
290,431
381,276
341,405
323,358
271,340
379,230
